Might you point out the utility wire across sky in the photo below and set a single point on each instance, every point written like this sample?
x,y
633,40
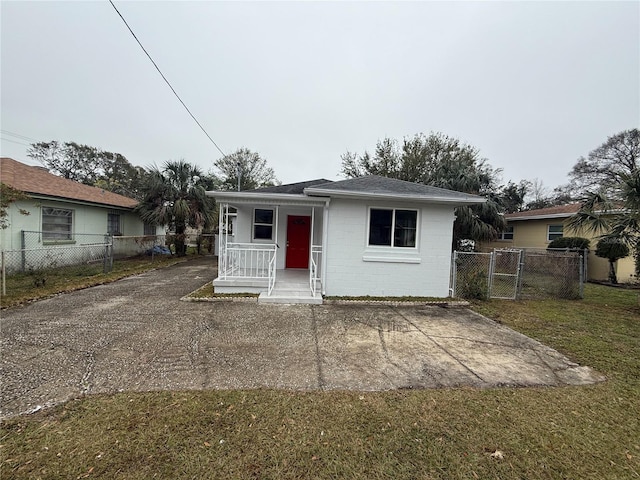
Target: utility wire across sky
x,y
165,79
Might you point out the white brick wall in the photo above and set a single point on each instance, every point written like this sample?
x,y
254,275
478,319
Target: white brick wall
x,y
352,268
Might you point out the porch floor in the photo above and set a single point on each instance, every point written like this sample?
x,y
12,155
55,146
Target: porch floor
x,y
292,286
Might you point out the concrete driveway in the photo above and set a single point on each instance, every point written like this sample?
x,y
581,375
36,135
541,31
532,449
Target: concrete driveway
x,y
135,334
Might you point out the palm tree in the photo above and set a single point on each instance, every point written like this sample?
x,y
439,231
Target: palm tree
x,y
175,196
614,216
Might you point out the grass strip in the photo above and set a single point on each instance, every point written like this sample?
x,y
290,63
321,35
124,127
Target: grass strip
x,y
27,287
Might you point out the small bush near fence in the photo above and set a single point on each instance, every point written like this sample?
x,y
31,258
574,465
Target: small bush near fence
x,y
471,274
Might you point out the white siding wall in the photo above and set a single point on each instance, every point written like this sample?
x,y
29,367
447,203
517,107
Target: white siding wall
x,y
351,271
243,232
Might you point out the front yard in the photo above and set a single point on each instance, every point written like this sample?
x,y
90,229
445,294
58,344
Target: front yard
x,y
534,433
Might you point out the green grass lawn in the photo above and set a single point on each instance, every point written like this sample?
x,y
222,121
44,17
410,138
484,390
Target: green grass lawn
x,y
590,432
25,287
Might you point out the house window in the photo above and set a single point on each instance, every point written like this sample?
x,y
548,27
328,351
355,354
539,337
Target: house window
x,y
507,233
57,224
263,224
553,232
113,224
393,227
149,229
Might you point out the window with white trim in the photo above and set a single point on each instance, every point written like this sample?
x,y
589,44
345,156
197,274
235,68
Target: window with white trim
x,y
113,224
507,233
263,224
554,231
57,224
393,227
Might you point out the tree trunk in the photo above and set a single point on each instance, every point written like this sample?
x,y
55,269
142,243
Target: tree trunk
x,y
181,247
612,272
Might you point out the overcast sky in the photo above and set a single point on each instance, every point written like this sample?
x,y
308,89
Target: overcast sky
x,y
532,85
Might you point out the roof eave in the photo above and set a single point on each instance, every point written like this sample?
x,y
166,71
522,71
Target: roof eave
x,y
392,196
54,198
271,198
541,217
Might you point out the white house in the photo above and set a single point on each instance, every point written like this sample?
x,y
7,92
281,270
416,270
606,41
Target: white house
x,y
62,211
370,235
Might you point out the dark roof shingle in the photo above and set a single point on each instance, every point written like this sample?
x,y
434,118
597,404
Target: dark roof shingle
x,y
556,211
37,181
384,186
292,188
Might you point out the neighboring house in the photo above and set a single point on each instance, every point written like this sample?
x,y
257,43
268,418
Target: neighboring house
x,y
363,236
63,210
537,228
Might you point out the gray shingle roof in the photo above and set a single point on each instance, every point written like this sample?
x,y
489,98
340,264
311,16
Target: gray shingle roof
x,y
292,188
374,185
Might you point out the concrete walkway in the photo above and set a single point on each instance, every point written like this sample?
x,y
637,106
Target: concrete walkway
x,y
136,335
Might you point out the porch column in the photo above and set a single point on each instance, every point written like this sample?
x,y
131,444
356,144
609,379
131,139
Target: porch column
x,y
325,239
313,216
221,267
275,239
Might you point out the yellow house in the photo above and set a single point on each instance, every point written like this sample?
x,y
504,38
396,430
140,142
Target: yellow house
x,y
537,228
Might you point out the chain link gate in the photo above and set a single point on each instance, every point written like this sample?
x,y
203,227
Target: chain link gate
x,y
504,274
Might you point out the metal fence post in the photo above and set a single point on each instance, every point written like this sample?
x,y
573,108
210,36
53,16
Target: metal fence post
x,y
4,275
492,266
454,272
583,272
523,255
23,248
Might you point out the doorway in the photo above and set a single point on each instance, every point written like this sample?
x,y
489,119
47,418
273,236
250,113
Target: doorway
x,y
298,241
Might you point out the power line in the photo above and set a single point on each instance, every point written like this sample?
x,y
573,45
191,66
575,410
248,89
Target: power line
x,y
16,135
165,79
13,141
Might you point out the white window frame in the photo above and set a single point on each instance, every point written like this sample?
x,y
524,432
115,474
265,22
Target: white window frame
x,y
555,234
509,230
51,236
393,228
254,223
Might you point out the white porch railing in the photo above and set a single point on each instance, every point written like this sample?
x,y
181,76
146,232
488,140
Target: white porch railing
x,y
248,260
314,278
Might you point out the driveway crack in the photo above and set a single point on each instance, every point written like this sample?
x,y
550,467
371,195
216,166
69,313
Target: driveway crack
x,y
314,326
397,311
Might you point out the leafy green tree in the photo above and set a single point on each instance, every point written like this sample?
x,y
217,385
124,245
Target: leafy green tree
x,y
175,196
90,165
8,195
512,196
613,250
613,210
602,169
440,161
253,170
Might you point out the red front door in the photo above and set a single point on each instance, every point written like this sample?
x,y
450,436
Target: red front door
x,y
298,237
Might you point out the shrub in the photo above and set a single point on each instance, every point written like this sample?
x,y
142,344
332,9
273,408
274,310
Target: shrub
x,y
474,285
570,243
613,250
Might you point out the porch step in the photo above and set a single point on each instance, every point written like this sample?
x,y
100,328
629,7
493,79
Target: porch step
x,y
290,296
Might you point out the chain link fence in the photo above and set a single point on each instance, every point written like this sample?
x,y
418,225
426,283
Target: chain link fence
x,y
133,246
518,274
44,253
